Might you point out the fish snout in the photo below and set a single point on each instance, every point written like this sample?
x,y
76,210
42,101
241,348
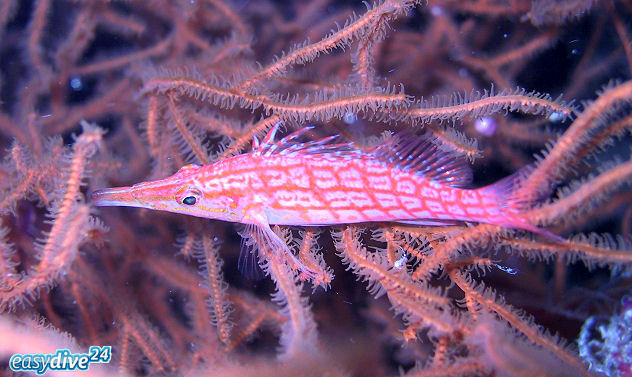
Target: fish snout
x,y
115,196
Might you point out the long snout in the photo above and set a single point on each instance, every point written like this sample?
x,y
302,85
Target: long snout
x,y
115,196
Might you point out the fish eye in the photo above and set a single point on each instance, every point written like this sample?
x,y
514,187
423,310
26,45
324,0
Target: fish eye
x,y
188,197
189,200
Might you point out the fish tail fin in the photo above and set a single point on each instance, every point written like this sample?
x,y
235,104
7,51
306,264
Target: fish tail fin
x,y
513,202
523,222
508,194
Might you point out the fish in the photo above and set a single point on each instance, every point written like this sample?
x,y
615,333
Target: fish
x,y
407,179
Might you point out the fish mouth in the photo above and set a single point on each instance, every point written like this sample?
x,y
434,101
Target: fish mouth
x,y
115,196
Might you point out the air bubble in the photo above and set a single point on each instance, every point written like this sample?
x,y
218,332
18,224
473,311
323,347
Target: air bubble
x,y
76,83
486,126
350,118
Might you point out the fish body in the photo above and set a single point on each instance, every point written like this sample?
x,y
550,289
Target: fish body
x,y
407,179
411,182
314,190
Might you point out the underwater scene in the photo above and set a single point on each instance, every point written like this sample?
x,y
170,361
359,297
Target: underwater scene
x,y
316,188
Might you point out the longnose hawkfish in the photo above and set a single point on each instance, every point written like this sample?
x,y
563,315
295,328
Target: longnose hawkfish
x,y
407,179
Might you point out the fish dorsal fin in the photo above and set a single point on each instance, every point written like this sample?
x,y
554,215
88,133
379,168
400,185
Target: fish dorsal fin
x,y
422,154
291,146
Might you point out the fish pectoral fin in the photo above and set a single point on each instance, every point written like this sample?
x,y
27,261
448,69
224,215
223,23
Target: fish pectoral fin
x,y
248,262
258,234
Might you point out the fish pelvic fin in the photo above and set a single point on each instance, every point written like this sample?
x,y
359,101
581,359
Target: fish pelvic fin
x,y
257,236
